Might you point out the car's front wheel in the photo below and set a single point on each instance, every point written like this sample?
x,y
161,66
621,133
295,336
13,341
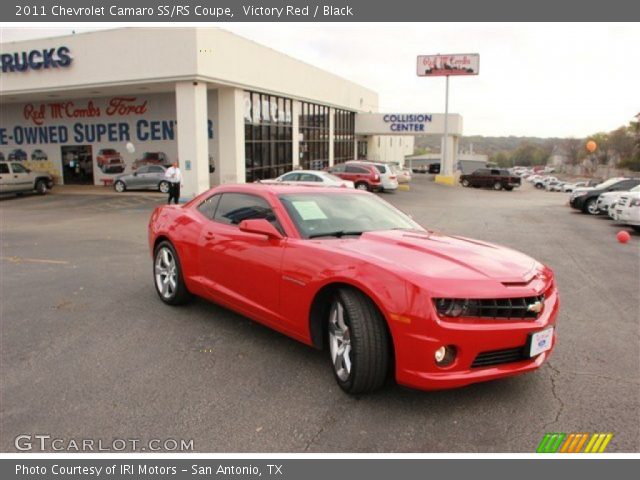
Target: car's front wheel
x,y
359,347
119,186
168,276
591,206
362,186
41,187
497,186
465,183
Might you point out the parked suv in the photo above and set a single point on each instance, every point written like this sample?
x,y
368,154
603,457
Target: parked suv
x,y
586,199
109,160
363,175
491,178
16,178
388,177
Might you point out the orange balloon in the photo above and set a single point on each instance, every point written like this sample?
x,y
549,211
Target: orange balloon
x,y
591,146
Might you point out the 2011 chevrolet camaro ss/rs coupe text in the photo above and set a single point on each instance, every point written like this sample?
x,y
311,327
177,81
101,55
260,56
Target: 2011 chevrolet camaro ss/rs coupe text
x,y
344,271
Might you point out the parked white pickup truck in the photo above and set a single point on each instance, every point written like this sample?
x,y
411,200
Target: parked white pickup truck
x,y
16,178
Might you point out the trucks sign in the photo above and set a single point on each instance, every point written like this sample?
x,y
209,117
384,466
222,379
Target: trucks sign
x,y
446,65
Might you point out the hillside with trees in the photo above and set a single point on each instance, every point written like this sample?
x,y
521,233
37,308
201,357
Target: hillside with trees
x,y
620,147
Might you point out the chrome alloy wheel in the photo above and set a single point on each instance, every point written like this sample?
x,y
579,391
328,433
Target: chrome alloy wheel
x,y
339,341
166,273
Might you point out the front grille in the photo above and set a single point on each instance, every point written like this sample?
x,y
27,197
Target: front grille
x,y
518,307
508,307
498,357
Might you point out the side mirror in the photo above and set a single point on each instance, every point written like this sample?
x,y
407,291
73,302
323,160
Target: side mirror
x,y
261,227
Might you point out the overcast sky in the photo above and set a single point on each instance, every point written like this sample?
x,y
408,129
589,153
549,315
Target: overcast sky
x,y
535,79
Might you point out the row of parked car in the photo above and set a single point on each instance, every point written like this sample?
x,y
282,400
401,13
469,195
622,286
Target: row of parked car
x,y
19,155
360,174
617,197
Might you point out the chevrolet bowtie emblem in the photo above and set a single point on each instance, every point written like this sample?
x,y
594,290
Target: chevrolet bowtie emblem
x,y
535,307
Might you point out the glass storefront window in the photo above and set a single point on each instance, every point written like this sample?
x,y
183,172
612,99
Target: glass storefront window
x,y
344,136
314,136
268,136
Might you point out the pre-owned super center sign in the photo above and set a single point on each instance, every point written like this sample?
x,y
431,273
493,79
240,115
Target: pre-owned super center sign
x,y
445,65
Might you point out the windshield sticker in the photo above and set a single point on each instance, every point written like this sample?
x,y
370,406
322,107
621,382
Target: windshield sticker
x,y
309,210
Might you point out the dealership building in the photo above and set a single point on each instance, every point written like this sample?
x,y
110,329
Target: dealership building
x,y
91,106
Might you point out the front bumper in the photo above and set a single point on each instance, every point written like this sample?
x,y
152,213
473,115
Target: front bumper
x,y
629,216
415,348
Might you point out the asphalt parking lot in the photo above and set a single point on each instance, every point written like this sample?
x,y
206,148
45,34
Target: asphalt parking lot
x,y
89,351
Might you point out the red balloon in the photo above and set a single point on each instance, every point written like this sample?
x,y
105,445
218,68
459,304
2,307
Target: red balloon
x,y
623,236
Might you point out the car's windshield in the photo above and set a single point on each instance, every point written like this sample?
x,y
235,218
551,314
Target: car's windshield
x,y
336,215
608,183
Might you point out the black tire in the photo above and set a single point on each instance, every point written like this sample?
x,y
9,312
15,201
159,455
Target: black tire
x,y
369,342
119,186
636,227
179,295
590,206
508,189
163,186
362,186
497,186
41,187
465,183
539,186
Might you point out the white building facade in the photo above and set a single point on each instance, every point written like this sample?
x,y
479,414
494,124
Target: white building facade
x,y
89,107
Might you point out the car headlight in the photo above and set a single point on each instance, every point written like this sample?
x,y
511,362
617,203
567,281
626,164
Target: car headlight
x,y
456,307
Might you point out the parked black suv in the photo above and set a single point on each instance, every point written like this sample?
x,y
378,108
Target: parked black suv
x,y
586,199
491,178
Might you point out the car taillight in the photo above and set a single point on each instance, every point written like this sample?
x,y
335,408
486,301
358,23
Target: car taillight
x,y
376,177
392,177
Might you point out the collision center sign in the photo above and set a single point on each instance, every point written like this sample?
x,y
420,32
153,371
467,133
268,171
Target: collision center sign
x,y
445,65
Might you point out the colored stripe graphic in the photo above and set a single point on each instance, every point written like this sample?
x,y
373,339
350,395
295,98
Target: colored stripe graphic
x,y
573,442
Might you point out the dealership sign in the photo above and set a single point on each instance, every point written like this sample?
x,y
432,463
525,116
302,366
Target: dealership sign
x,y
36,59
445,65
405,123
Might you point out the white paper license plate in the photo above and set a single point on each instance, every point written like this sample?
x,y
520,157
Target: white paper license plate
x,y
541,342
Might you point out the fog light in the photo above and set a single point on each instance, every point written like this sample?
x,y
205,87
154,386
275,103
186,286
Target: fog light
x,y
445,355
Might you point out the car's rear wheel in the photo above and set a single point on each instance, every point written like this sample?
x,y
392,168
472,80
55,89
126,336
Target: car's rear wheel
x,y
497,186
591,206
508,189
359,347
41,187
362,186
164,187
465,183
119,186
539,186
168,276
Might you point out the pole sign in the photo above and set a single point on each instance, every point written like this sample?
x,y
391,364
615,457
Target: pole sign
x,y
446,65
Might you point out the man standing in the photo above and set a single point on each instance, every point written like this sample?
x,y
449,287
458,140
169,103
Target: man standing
x,y
174,177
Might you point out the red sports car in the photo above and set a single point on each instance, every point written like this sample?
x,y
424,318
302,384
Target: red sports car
x,y
343,270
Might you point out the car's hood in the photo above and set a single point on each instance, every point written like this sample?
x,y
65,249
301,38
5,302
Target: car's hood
x,y
441,256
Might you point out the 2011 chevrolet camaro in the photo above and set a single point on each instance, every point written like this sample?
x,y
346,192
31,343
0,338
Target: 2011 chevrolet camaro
x,y
343,270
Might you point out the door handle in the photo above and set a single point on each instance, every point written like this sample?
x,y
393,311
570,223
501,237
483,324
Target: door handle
x,y
209,236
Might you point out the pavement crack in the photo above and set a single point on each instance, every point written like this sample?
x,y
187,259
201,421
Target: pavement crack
x,y
554,392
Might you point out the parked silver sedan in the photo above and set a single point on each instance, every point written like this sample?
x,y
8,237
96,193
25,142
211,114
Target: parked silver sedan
x,y
148,177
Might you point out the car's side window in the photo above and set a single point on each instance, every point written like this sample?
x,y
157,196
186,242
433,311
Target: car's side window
x,y
208,207
4,168
337,169
17,168
309,177
233,208
290,177
156,170
143,170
